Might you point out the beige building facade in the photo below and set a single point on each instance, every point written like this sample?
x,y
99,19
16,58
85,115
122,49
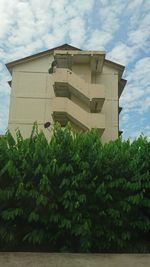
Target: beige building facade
x,y
66,84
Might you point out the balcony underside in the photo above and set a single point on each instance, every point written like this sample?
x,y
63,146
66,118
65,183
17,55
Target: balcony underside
x,y
66,59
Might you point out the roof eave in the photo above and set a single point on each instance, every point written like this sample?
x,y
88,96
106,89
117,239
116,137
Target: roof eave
x,y
11,64
117,66
122,84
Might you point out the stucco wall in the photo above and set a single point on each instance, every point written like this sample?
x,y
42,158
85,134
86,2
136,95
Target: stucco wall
x,y
109,78
83,71
73,260
32,96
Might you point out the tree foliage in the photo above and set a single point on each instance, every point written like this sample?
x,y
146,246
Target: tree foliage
x,y
73,193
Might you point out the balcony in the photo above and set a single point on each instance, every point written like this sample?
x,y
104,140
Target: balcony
x,y
65,110
66,83
66,59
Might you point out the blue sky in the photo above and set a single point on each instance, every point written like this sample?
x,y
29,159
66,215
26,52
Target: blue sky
x,y
121,28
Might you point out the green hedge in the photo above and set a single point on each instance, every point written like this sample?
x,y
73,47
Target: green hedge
x,y
74,194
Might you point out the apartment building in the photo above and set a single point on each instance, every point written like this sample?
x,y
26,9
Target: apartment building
x,y
66,84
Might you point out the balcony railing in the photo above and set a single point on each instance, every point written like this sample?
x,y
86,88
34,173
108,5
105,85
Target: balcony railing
x,y
65,110
67,82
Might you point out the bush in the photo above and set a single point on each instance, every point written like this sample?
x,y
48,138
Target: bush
x,y
74,194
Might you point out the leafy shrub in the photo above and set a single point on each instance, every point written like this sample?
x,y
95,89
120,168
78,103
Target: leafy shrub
x,y
73,193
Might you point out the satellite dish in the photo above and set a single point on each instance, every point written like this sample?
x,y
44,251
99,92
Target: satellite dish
x,y
47,124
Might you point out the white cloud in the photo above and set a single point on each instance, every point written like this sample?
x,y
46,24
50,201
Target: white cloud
x,y
140,73
107,22
28,25
122,53
4,77
54,38
77,32
134,4
125,118
136,95
121,27
137,39
3,112
110,14
139,33
1,66
98,40
146,104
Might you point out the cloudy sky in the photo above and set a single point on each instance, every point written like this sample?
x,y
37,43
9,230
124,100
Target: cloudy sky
x,y
120,27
